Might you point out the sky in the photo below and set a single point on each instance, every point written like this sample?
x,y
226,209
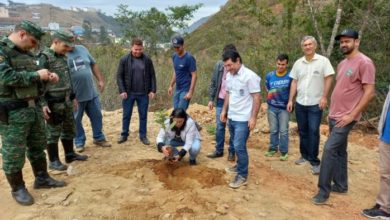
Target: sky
x,y
109,7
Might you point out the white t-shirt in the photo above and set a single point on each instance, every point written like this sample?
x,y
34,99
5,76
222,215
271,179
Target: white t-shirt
x,y
311,78
240,86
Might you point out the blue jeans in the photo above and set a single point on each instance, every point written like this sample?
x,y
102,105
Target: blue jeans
x,y
194,150
309,120
278,123
221,127
239,133
93,110
142,105
334,166
179,101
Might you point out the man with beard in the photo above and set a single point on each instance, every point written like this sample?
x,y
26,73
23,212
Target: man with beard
x,y
22,125
136,81
354,90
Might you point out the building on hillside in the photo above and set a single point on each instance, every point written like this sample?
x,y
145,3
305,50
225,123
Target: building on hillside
x,y
89,9
77,30
53,26
4,12
36,15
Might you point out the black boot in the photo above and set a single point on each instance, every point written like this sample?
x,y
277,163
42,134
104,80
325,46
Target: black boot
x,y
70,155
42,178
55,163
19,191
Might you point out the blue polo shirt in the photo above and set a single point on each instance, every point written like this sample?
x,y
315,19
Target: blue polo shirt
x,y
386,128
183,66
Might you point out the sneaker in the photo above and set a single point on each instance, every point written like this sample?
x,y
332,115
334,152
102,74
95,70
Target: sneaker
x,y
315,170
102,143
319,199
376,214
300,161
214,154
336,189
231,170
270,153
283,157
237,182
80,148
145,141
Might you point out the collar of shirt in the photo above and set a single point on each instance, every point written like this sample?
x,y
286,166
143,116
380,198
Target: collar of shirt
x,y
239,72
315,57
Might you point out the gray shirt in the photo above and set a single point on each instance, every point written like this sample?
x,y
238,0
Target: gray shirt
x,y
138,80
80,62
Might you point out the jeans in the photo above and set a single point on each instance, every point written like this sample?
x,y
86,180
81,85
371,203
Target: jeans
x,y
142,105
220,133
309,120
383,198
239,133
278,123
93,110
179,101
335,159
194,150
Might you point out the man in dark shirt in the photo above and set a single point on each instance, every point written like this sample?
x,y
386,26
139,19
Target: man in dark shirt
x,y
137,83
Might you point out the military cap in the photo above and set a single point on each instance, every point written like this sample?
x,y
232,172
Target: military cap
x,y
32,29
65,37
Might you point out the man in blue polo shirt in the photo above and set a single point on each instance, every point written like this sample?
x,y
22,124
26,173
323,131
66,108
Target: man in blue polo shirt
x,y
184,76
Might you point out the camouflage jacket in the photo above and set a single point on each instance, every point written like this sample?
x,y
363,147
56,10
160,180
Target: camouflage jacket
x,y
18,76
56,63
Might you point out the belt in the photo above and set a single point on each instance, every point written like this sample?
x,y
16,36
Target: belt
x,y
57,99
17,104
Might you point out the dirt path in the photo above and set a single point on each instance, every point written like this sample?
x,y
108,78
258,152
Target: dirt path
x,y
130,181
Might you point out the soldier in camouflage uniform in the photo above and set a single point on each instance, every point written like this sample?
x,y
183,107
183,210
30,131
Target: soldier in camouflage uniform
x,y
58,107
23,127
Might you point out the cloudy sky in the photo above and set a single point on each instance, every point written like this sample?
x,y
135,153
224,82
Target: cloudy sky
x,y
110,6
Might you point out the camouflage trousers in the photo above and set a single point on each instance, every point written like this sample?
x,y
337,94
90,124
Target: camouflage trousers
x,y
24,132
66,128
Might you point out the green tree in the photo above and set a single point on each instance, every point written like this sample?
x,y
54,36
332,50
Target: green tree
x,y
179,16
153,26
103,36
87,26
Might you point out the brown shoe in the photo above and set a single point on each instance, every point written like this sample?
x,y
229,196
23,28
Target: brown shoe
x,y
102,143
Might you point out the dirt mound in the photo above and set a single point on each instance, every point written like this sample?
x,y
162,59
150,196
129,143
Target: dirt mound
x,y
176,176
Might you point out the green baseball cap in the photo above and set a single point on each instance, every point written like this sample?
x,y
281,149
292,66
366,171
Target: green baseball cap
x,y
64,36
32,29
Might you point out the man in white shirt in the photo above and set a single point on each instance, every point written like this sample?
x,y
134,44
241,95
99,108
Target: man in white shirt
x,y
243,101
312,79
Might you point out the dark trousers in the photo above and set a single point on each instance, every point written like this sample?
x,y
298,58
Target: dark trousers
x,y
309,120
334,159
142,105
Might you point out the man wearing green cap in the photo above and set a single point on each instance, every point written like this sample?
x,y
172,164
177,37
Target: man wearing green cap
x,y
21,82
58,107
